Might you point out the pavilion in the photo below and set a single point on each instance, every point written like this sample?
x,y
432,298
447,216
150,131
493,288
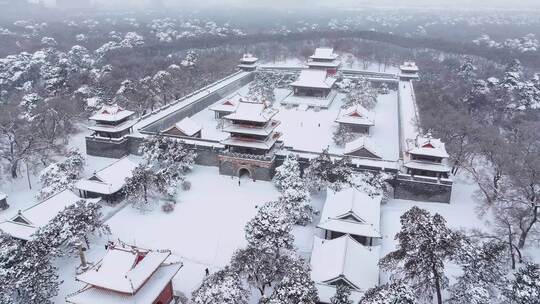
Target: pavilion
x,y
324,59
343,261
112,121
351,212
426,156
128,275
357,118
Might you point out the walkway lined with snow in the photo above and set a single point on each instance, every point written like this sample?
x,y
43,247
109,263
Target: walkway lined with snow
x,y
408,114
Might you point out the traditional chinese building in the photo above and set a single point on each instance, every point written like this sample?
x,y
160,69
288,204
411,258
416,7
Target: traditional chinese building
x,y
354,213
363,147
128,275
27,222
186,127
324,59
226,106
426,156
313,83
408,71
108,182
343,261
249,148
248,62
112,122
357,118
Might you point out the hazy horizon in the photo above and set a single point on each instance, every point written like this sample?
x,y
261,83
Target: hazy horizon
x,y
345,4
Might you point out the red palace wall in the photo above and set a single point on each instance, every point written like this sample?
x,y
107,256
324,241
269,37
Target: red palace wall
x,y
166,295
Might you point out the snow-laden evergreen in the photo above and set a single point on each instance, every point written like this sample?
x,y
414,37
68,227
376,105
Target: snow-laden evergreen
x,y
224,287
342,296
73,225
295,195
389,293
483,275
296,286
361,93
525,287
324,172
425,243
270,230
61,175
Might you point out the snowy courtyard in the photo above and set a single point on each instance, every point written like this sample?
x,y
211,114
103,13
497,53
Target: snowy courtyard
x,y
204,230
311,130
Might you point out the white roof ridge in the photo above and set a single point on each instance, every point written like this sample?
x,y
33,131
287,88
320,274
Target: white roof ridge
x,y
48,198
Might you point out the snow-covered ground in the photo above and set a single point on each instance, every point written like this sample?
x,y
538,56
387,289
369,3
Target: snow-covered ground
x,y
204,230
408,112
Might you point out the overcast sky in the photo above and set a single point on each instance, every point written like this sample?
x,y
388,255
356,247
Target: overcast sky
x,y
466,4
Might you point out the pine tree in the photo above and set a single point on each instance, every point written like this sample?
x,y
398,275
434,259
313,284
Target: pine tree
x,y
224,287
323,172
270,230
36,279
296,285
169,160
342,296
139,185
287,173
374,183
362,93
61,175
259,268
341,174
317,172
73,225
525,287
389,293
296,200
10,252
425,243
483,272
342,135
295,196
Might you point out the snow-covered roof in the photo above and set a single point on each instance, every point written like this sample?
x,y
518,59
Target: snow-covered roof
x,y
113,128
257,144
187,126
18,230
124,269
363,142
39,215
248,58
3,195
147,294
228,105
111,113
264,131
252,111
428,146
427,166
314,79
323,64
126,275
353,212
345,259
356,115
324,53
409,66
110,179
